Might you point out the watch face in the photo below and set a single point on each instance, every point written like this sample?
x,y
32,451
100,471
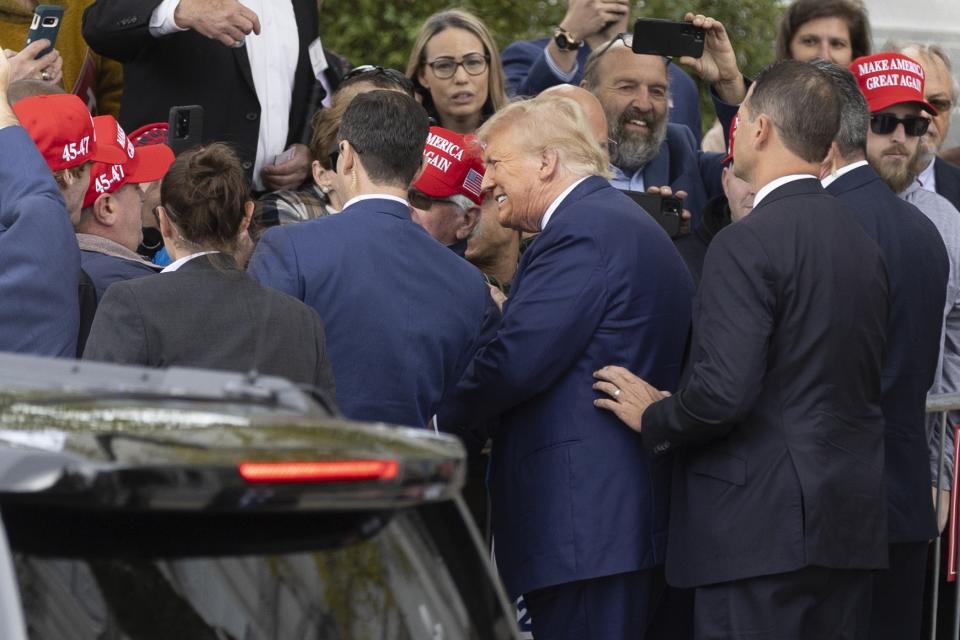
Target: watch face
x,y
564,42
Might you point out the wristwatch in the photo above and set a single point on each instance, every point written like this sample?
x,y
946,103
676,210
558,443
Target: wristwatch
x,y
565,40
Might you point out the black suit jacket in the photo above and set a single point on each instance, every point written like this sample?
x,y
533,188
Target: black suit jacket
x,y
947,177
188,68
778,429
213,316
917,270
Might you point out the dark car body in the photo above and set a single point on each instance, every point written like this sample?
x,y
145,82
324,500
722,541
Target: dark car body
x,y
139,503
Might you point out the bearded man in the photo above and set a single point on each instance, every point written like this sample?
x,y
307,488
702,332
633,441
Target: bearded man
x,y
646,150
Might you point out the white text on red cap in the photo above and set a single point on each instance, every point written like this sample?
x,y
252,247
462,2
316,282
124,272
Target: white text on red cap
x,y
74,150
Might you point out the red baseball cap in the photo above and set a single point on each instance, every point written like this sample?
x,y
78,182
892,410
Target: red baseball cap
x,y
733,132
141,164
886,79
452,166
62,128
149,134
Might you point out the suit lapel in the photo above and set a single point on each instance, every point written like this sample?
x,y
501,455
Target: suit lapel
x,y
657,171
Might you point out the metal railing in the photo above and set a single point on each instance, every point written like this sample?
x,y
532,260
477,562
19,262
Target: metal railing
x,y
941,404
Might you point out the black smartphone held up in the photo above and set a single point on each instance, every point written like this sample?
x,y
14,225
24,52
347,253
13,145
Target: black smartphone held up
x,y
186,128
666,210
667,38
46,24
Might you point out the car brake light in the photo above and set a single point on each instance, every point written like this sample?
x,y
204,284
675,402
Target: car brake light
x,y
327,471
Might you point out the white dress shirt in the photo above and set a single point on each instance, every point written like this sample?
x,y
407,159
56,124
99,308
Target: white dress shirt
x,y
779,182
842,171
373,196
556,203
173,266
273,64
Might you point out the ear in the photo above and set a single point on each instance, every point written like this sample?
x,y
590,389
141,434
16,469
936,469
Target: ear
x,y
348,158
422,77
248,208
166,228
549,164
764,131
105,210
468,222
829,164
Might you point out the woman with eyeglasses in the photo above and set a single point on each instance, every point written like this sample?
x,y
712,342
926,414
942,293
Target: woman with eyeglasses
x,y
203,310
455,68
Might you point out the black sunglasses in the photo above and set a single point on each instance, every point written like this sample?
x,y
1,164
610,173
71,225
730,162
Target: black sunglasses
x,y
420,200
886,123
367,70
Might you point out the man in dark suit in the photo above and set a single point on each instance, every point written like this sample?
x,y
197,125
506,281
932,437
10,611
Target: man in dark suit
x,y
403,313
778,514
578,508
184,52
534,65
917,269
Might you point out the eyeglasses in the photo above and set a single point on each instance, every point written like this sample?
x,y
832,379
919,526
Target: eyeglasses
x,y
942,105
474,64
420,200
366,70
886,123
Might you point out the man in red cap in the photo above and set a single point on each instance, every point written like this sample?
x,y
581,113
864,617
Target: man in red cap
x,y
110,228
39,258
446,199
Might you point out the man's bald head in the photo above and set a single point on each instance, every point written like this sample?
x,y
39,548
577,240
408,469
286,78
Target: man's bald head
x,y
592,108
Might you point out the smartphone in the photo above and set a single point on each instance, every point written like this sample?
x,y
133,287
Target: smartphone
x,y
667,38
665,210
186,128
46,24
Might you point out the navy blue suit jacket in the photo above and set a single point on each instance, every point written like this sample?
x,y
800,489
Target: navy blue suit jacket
x,y
104,270
917,268
947,178
681,166
528,73
574,495
39,256
403,314
779,430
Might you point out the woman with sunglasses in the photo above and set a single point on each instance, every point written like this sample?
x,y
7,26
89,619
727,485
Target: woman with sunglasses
x,y
203,310
455,68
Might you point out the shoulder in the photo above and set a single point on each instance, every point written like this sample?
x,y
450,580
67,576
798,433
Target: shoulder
x,y
525,48
680,139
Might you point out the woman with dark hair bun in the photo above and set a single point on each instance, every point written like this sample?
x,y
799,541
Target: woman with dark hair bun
x,y
203,310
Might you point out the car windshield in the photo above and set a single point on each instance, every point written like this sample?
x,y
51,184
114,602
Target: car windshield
x,y
415,573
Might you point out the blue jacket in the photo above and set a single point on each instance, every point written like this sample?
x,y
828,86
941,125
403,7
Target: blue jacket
x,y
104,269
917,268
574,494
403,314
39,257
528,73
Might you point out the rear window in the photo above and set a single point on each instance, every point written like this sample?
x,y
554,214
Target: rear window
x,y
414,573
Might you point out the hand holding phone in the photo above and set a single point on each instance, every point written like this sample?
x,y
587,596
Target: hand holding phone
x,y
45,25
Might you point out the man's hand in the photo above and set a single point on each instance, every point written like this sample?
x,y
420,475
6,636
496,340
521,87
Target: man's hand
x,y
290,174
225,20
718,64
685,215
49,68
587,18
944,508
629,395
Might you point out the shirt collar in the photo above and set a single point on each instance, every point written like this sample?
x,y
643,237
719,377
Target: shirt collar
x,y
184,260
556,203
374,196
842,171
765,190
928,177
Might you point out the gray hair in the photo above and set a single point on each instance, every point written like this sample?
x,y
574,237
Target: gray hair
x,y
932,52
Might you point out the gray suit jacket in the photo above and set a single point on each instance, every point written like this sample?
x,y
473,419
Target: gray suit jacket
x,y
211,315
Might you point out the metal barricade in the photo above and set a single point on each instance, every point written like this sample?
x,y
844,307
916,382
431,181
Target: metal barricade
x,y
940,404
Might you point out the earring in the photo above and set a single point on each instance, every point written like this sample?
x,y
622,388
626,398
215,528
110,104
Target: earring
x,y
355,181
325,190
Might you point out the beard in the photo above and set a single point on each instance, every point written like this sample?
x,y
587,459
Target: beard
x,y
898,173
634,149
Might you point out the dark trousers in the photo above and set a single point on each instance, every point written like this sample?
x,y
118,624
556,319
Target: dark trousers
x,y
897,609
813,603
612,608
